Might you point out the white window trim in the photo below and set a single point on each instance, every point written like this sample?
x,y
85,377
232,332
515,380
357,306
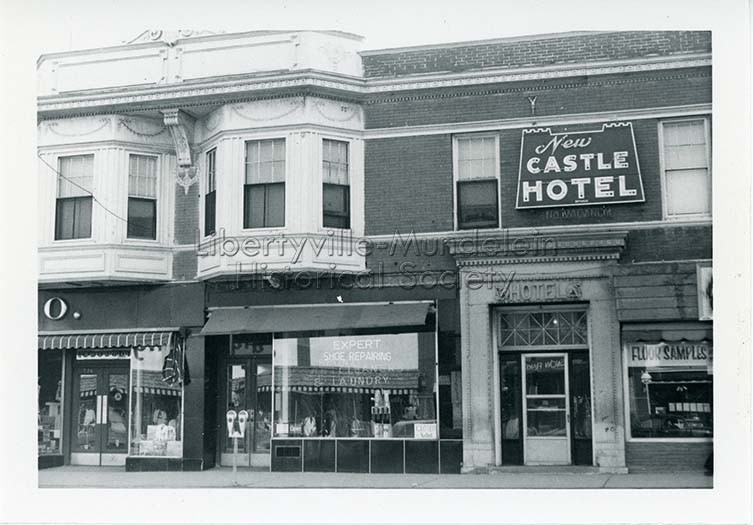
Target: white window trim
x,y
320,170
455,172
273,229
158,233
663,172
204,186
626,410
94,191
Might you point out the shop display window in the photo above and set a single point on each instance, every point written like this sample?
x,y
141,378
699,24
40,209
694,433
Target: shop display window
x,y
156,403
670,390
49,395
364,386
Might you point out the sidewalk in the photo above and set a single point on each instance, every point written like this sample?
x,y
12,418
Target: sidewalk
x,y
116,477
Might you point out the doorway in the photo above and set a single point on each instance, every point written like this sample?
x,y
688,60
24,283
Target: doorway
x,y
248,386
100,413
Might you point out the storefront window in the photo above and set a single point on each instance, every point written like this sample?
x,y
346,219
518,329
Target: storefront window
x,y
49,394
381,386
670,389
157,401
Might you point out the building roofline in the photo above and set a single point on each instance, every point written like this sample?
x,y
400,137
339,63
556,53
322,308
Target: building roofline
x,y
136,44
467,43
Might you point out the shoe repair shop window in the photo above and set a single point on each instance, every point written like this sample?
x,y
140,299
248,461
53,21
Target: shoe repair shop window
x,y
670,387
364,386
157,379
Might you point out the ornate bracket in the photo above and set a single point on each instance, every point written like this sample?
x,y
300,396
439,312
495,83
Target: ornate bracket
x,y
181,130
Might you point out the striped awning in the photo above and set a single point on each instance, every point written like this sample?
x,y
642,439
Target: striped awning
x,y
103,340
163,391
305,389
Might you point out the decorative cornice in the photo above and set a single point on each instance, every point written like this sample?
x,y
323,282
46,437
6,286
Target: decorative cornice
x,y
182,93
483,250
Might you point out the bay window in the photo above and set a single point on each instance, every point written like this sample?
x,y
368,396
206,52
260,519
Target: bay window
x,y
142,197
73,208
476,182
336,184
264,189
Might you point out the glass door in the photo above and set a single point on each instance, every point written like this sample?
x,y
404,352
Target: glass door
x,y
248,387
100,410
546,409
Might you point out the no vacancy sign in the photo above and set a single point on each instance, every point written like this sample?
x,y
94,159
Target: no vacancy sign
x,y
579,168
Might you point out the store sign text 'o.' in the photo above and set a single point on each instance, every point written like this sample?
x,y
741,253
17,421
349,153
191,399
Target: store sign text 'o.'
x,y
579,168
55,308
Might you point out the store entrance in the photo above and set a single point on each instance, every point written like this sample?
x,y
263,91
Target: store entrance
x,y
248,386
100,413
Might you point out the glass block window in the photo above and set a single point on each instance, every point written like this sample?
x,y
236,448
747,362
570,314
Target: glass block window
x,y
543,329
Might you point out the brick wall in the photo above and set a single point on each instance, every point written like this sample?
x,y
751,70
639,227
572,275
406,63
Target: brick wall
x,y
186,225
553,97
521,52
407,185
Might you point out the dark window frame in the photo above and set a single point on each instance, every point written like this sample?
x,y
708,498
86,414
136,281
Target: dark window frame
x,y
247,208
210,197
133,230
60,234
467,225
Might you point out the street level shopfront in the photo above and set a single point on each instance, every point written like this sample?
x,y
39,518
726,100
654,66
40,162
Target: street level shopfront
x,y
331,387
114,395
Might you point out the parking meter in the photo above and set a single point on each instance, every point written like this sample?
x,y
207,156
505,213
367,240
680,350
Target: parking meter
x,y
230,418
242,419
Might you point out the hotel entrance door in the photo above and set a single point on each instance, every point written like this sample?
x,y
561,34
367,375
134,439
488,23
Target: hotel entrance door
x,y
546,409
100,413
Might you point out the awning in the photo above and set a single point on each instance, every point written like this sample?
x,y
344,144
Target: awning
x,y
102,340
303,318
666,332
313,379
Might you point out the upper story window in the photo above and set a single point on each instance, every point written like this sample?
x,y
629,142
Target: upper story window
x,y
264,188
73,208
336,184
477,182
210,196
686,168
142,197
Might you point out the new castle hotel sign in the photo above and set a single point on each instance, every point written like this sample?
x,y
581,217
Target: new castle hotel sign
x,y
579,168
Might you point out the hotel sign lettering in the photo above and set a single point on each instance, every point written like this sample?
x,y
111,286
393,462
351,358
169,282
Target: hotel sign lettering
x,y
579,168
539,291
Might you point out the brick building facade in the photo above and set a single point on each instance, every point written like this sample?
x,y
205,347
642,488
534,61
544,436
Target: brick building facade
x,y
310,195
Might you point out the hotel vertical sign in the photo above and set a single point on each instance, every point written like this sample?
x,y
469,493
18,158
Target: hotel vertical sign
x,y
579,168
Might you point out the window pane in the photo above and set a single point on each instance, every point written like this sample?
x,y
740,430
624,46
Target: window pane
x,y
275,206
688,192
326,392
73,218
156,415
477,204
680,157
211,168
684,133
265,161
477,158
142,218
671,404
336,206
76,176
209,212
142,176
253,206
545,375
49,395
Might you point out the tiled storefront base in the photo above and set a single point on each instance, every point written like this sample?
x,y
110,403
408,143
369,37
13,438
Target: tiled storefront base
x,y
50,461
140,464
667,457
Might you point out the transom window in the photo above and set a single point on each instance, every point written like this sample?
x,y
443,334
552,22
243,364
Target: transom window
x,y
264,188
73,207
476,176
142,197
543,329
687,173
336,187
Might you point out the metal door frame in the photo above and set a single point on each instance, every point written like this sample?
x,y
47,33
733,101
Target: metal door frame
x,y
566,395
102,370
